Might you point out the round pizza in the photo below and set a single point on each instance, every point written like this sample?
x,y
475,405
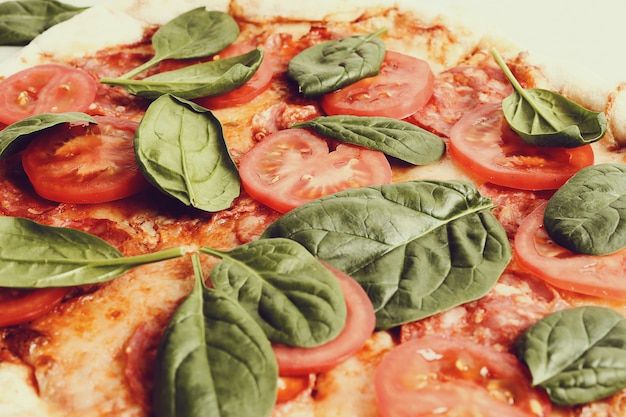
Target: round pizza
x,y
358,209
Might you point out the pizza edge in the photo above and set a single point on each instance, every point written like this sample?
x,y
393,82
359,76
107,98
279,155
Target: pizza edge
x,y
131,18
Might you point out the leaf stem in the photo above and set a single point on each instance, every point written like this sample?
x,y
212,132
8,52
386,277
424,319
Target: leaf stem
x,y
365,38
143,67
111,262
140,259
121,81
126,260
518,87
197,271
372,35
213,252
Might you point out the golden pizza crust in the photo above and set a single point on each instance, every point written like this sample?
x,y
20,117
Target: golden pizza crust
x,y
91,31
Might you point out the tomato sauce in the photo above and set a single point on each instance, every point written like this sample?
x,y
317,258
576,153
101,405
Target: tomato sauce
x,y
17,197
114,62
481,84
499,318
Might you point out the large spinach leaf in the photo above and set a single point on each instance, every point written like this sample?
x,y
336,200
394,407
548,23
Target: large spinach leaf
x,y
295,299
330,65
588,213
36,256
180,148
194,34
199,80
21,21
14,137
577,355
214,360
545,118
395,138
418,248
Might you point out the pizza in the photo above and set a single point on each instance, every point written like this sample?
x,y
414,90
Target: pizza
x,y
244,208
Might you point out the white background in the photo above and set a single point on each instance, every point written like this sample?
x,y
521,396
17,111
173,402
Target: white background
x,y
587,33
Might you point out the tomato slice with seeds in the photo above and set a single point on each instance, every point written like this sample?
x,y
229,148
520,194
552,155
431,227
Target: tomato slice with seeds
x,y
403,85
600,276
48,88
483,143
293,166
22,306
85,164
435,375
360,324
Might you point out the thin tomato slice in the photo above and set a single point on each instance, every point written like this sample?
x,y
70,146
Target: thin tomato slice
x,y
360,324
256,85
139,354
85,163
22,306
49,88
403,86
457,91
484,144
455,377
293,166
601,276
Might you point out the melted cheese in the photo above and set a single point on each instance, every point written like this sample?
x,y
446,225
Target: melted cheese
x,y
77,356
19,398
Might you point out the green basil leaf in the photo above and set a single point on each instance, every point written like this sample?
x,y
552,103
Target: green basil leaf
x,y
21,21
396,138
37,256
199,80
545,118
577,355
588,213
213,360
330,65
417,248
194,34
295,299
180,148
14,137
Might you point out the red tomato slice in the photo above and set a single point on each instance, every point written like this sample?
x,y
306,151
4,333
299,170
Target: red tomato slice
x,y
49,88
85,164
455,377
21,306
139,354
293,166
360,324
457,91
483,143
403,86
601,276
259,82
